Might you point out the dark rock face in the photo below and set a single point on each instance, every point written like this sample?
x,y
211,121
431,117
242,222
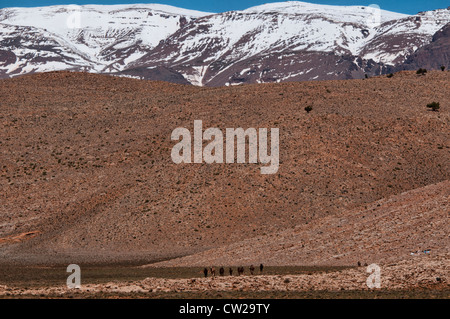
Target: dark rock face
x,y
431,56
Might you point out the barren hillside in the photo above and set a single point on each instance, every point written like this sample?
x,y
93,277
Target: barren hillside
x,y
86,172
398,228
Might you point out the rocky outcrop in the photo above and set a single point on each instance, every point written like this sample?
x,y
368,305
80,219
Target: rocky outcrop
x,y
431,56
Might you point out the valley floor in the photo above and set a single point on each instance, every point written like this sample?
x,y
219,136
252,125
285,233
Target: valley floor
x,y
423,276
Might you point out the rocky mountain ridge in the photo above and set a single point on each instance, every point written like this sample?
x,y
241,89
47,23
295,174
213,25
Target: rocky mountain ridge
x,y
277,42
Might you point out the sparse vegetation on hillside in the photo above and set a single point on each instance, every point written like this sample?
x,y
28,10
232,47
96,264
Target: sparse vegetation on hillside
x,y
103,159
421,71
434,106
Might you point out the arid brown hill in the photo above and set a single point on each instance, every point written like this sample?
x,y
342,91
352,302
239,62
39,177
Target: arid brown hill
x,y
397,228
86,172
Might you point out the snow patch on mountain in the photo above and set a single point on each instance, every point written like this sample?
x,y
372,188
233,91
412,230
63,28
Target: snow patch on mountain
x,y
231,47
93,28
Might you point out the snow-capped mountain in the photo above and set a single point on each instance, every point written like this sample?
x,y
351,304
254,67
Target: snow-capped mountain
x,y
431,56
109,37
27,50
275,42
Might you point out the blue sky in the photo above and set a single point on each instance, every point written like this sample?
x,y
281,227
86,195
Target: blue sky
x,y
403,6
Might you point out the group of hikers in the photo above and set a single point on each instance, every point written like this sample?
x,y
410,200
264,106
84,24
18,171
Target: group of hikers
x,y
240,270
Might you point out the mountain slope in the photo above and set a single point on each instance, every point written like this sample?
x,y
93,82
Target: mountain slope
x,y
388,230
26,50
111,36
86,172
211,45
289,41
396,40
433,55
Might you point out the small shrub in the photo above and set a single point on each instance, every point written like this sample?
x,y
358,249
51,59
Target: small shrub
x,y
390,75
443,68
421,71
308,109
434,106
